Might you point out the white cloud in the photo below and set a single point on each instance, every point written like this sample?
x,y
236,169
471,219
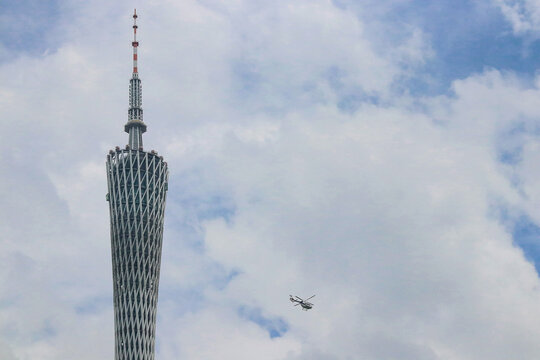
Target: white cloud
x,y
385,215
388,213
523,15
219,333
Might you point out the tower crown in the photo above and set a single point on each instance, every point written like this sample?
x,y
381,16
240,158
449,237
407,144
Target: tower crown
x,y
135,126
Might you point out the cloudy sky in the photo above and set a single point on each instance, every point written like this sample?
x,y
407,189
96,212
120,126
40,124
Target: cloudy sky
x,y
384,155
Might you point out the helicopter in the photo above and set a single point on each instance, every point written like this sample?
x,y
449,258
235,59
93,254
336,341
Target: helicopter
x,y
299,301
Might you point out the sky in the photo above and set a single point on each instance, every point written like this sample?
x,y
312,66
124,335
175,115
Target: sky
x,y
383,155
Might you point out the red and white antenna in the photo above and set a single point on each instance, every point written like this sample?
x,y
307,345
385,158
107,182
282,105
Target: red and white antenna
x,y
135,43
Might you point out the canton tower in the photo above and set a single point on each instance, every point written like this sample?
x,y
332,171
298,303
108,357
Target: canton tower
x,y
137,185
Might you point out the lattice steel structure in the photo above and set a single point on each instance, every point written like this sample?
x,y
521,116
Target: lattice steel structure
x,y
137,184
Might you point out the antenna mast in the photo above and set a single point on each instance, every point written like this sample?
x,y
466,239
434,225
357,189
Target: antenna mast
x,y
135,43
135,126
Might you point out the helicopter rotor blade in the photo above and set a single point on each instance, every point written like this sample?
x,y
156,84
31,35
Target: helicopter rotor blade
x,y
296,304
310,298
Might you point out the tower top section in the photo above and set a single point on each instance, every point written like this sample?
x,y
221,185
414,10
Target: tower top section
x,y
135,126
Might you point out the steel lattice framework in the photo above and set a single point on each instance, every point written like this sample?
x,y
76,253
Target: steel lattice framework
x,y
137,183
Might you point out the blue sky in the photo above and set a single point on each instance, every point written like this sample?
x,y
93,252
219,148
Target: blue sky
x,y
380,154
27,25
466,36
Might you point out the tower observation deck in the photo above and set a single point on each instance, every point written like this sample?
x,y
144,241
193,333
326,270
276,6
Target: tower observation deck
x,y
137,188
